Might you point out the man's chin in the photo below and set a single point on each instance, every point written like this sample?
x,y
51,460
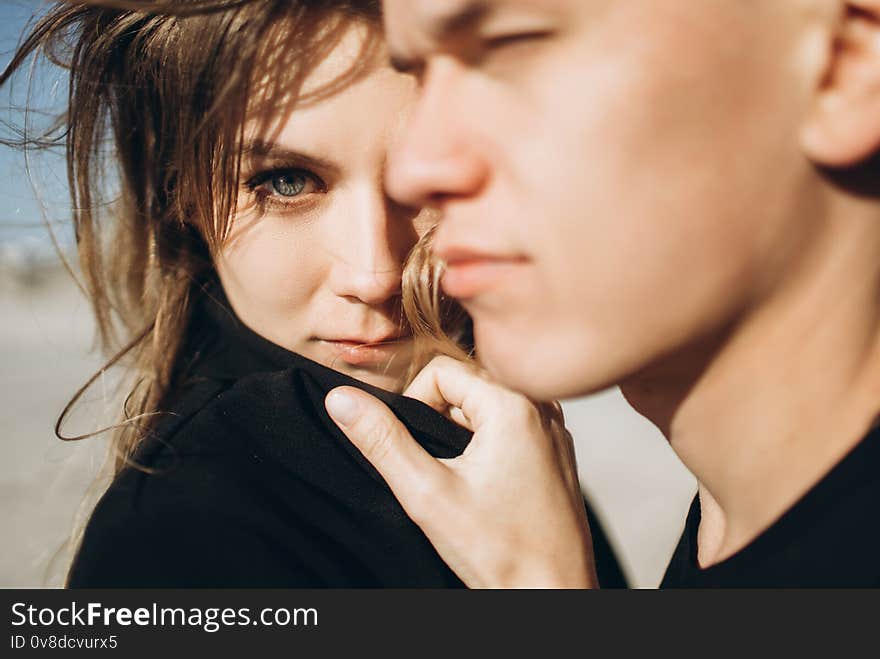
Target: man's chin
x,y
542,374
529,374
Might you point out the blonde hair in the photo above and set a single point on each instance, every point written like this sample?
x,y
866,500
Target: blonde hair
x,y
441,326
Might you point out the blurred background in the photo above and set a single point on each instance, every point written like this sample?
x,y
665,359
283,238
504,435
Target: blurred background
x,y
637,484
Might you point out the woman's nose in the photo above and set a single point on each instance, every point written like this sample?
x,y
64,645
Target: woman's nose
x,y
435,160
377,245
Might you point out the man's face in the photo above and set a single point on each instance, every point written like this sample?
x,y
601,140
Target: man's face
x,y
619,179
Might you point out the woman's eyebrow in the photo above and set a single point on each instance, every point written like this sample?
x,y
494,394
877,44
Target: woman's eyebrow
x,y
260,150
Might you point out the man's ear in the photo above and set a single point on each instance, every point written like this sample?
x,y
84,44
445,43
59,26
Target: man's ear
x,y
842,128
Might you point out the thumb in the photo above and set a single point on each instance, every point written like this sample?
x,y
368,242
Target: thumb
x,y
410,471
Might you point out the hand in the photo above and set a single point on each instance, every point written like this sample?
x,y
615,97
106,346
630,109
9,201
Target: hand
x,y
507,512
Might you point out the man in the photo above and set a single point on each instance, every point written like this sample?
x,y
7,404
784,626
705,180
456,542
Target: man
x,y
675,197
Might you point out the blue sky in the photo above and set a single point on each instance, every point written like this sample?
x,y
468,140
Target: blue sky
x,y
20,214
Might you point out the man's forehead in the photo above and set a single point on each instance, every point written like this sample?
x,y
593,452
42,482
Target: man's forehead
x,y
436,16
414,26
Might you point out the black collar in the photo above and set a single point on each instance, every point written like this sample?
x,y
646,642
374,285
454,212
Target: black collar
x,y
221,347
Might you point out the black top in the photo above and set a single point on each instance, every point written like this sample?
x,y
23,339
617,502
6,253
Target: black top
x,y
250,484
829,538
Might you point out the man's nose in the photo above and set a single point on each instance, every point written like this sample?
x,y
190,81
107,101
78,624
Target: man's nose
x,y
437,158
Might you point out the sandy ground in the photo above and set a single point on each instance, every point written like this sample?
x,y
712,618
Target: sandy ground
x,y
636,482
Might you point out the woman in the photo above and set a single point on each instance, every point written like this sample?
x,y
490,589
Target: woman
x,y
252,262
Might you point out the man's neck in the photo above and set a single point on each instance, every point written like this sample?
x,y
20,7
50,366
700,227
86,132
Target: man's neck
x,y
764,410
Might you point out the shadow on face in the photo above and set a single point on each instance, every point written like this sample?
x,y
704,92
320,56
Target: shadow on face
x,y
315,250
618,179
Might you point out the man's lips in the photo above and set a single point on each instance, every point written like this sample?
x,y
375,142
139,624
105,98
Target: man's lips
x,y
470,272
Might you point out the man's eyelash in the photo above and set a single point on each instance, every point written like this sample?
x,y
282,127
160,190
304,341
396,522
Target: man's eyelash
x,y
515,37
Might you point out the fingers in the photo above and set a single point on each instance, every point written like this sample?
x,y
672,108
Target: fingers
x,y
458,417
424,386
458,390
386,443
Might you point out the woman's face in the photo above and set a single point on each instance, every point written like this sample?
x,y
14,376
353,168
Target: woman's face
x,y
315,252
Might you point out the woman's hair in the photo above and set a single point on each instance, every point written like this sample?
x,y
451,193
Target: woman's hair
x,y
440,326
153,126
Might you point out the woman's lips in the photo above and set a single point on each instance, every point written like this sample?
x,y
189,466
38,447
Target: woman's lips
x,y
363,353
468,274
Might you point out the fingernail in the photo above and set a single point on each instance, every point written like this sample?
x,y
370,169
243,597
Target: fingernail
x,y
342,407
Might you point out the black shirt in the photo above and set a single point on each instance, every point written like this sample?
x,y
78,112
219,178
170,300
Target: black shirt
x,y
249,483
829,538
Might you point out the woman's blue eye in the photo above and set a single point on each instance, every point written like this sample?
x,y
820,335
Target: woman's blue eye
x,y
289,185
286,185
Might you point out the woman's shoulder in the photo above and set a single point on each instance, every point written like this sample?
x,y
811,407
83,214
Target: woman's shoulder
x,y
182,513
200,447
193,526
